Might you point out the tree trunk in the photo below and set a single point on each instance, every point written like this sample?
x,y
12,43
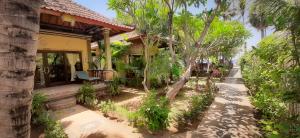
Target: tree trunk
x,y
19,27
170,5
262,33
145,81
295,52
172,92
170,23
179,84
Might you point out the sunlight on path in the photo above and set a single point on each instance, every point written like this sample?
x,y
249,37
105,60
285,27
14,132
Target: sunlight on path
x,y
230,115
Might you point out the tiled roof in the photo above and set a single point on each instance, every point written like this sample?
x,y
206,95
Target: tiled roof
x,y
73,8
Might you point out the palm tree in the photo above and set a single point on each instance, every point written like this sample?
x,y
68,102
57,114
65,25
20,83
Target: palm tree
x,y
258,19
242,7
19,27
284,16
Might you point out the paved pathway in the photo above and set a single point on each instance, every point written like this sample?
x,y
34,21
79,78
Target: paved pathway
x,y
230,115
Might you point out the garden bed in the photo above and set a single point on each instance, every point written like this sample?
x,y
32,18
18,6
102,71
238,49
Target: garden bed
x,y
130,100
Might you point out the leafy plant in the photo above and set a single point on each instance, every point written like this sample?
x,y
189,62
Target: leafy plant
x,y
160,68
154,112
107,106
271,106
199,103
273,78
38,107
114,87
177,70
87,95
54,130
40,116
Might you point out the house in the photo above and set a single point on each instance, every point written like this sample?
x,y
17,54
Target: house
x,y
136,47
67,30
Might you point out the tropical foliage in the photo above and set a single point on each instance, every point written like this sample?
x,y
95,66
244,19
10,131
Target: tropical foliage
x,y
199,104
114,86
41,117
272,75
87,95
154,112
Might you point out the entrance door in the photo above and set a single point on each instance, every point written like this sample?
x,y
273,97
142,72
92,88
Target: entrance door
x,y
56,68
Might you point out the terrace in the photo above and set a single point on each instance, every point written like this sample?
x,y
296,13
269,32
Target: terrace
x,y
64,96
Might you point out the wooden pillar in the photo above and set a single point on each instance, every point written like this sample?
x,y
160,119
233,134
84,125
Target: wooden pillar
x,y
89,51
109,74
97,53
107,48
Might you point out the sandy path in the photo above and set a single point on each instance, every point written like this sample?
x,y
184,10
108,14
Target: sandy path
x,y
80,122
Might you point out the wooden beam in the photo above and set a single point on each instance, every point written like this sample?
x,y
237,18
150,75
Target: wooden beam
x,y
61,28
51,32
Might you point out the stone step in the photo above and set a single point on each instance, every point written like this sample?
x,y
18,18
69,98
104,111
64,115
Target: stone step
x,y
62,103
61,97
66,91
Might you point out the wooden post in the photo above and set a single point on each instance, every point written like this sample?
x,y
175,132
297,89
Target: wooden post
x,y
107,49
89,51
108,67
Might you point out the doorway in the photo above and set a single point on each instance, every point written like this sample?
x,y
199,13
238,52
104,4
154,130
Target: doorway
x,y
56,68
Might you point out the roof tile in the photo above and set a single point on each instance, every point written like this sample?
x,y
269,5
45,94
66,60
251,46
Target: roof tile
x,y
73,8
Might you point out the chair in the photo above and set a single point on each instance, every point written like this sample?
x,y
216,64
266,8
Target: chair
x,y
82,75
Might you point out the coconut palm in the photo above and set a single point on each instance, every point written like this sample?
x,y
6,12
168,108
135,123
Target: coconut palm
x,y
284,16
242,8
19,25
257,18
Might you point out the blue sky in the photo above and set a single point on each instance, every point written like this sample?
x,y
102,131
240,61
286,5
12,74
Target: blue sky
x,y
101,7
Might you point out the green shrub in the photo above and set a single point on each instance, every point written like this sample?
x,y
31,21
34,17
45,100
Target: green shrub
x,y
54,130
136,119
114,86
270,106
87,95
38,102
155,83
199,103
38,107
273,79
41,117
107,106
177,70
288,127
154,112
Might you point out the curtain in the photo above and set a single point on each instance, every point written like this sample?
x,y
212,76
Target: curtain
x,y
72,59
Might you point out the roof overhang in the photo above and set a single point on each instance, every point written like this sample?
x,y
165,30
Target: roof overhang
x,y
122,29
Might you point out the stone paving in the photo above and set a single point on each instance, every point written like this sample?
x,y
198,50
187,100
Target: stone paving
x,y
231,115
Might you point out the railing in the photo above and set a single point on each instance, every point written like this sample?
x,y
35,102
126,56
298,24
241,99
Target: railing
x,y
104,75
96,73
